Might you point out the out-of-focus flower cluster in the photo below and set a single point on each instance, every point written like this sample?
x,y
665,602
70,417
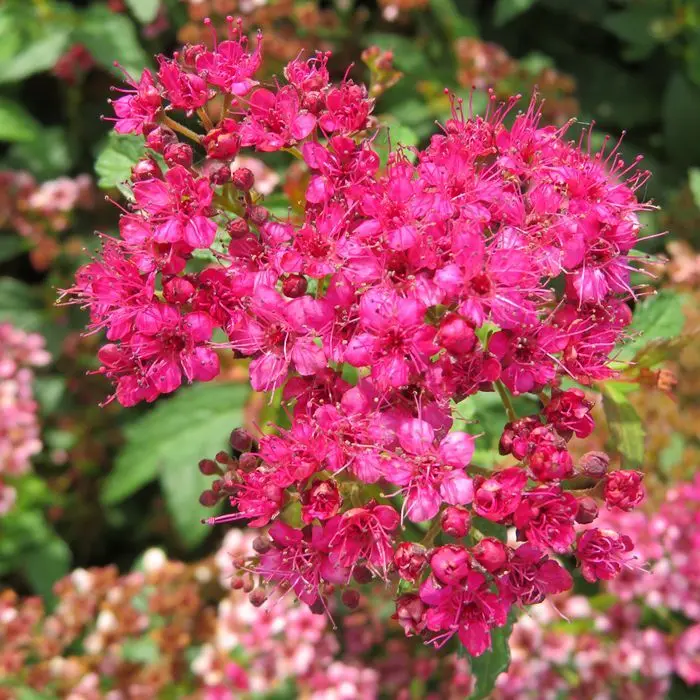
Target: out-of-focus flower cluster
x,y
40,211
20,438
482,64
390,294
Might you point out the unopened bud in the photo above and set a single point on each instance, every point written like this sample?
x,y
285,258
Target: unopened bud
x,y
455,521
491,553
587,511
261,544
243,179
362,574
209,467
208,499
238,228
258,215
241,440
594,464
350,598
178,154
294,286
257,597
146,169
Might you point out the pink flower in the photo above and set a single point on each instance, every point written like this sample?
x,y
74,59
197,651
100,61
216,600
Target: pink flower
x,y
410,559
177,208
623,489
276,120
687,655
346,109
139,107
570,413
603,554
497,497
186,91
364,534
532,575
321,501
545,516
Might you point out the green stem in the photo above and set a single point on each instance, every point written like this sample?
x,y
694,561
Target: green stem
x,y
294,151
433,532
176,126
505,398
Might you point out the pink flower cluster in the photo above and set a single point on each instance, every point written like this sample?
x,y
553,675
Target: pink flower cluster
x,y
19,425
496,257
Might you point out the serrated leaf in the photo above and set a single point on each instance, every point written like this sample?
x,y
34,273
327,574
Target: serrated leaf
x,y
145,11
111,38
114,162
507,10
36,57
487,667
168,442
16,124
624,424
659,317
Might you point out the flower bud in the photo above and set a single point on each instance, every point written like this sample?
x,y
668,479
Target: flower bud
x,y
262,544
178,154
362,574
238,228
587,511
258,215
209,467
456,335
243,179
455,521
594,464
294,286
159,138
409,560
208,499
241,440
217,171
257,597
450,564
491,553
146,169
248,461
223,142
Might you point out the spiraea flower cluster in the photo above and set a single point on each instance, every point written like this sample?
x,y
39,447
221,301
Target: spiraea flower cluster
x,y
497,258
20,437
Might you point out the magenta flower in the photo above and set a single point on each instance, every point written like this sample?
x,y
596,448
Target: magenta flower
x,y
603,554
624,489
139,107
545,516
497,497
178,208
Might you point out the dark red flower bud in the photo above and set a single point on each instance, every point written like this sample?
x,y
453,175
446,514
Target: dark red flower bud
x,y
350,598
492,554
451,563
146,169
594,464
178,154
223,142
241,440
257,597
456,335
587,511
262,544
362,574
208,499
238,228
248,461
258,215
456,521
243,179
294,286
209,467
159,138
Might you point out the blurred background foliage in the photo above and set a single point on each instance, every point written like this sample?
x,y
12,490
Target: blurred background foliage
x,y
108,484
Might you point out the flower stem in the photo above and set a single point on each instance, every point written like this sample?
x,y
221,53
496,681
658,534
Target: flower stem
x,y
202,113
433,532
505,398
176,126
294,151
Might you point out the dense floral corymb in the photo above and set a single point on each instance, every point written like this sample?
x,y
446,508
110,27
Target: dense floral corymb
x,y
496,258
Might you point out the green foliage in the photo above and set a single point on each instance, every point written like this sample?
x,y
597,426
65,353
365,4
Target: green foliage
x,y
490,665
16,124
145,11
625,425
167,443
115,159
507,10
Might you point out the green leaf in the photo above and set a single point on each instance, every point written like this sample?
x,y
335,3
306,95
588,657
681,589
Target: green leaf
x,y
487,667
16,124
114,162
625,425
489,528
168,442
145,11
408,56
694,184
681,106
111,38
12,245
143,650
659,317
49,392
507,10
672,455
181,480
38,56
